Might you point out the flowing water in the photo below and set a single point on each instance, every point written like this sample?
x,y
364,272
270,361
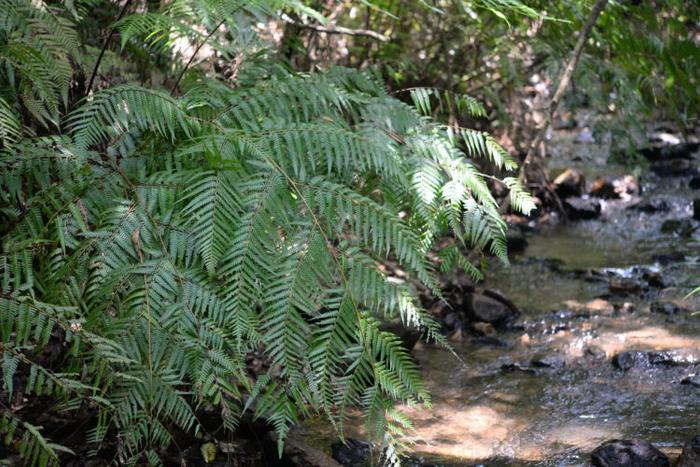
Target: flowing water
x,y
496,408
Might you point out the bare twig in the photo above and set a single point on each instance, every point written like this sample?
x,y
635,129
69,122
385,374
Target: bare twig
x,y
194,54
336,29
104,48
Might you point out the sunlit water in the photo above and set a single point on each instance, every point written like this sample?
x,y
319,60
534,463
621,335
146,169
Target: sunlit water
x,y
483,414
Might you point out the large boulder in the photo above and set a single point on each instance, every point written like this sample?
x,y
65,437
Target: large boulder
x,y
628,453
582,208
690,457
490,310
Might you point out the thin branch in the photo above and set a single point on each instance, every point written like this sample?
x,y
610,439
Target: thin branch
x,y
337,29
194,54
104,48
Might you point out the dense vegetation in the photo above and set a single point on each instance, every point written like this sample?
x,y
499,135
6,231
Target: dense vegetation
x,y
201,181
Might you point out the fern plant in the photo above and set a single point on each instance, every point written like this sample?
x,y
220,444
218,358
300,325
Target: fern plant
x,y
159,240
36,70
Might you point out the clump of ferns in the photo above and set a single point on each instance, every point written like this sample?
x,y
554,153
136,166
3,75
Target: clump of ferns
x,y
170,237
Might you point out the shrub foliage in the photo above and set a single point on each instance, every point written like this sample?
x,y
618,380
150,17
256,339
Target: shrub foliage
x,y
158,239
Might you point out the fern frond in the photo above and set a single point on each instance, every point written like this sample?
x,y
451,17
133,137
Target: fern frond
x,y
115,111
10,129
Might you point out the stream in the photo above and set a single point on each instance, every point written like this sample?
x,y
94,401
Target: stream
x,y
544,391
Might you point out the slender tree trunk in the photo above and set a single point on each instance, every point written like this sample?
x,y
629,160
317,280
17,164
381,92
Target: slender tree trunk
x,y
533,169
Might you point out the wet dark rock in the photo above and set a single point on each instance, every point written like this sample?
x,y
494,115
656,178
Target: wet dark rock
x,y
690,457
680,227
624,287
628,360
692,380
668,258
674,168
639,359
671,151
582,208
516,240
652,206
489,310
354,452
571,182
548,361
628,453
511,367
457,288
653,279
696,209
694,183
666,308
603,188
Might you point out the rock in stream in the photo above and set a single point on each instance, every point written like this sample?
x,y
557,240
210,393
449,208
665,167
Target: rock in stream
x,y
628,453
639,359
